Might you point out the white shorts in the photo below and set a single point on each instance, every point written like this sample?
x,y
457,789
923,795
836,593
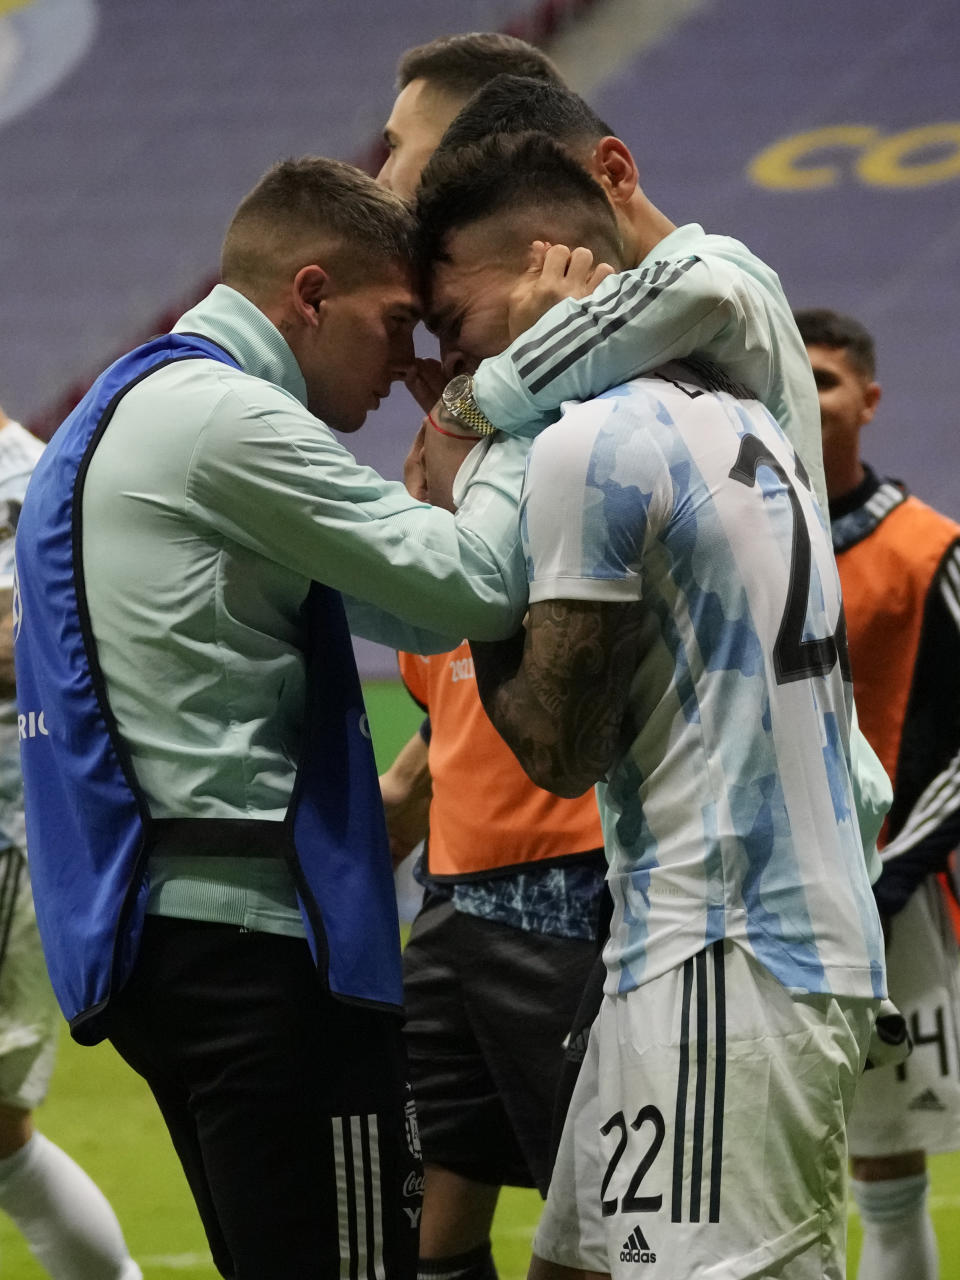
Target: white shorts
x,y
30,1020
706,1133
916,1106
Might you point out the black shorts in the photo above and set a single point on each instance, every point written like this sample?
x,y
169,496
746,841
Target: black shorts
x,y
488,1009
289,1109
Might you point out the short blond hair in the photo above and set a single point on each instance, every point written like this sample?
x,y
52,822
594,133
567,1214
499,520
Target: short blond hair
x,y
308,207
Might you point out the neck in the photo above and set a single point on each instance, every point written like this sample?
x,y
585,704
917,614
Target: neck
x,y
642,226
843,478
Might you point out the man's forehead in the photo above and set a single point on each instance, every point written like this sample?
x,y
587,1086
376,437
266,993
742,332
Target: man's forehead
x,y
446,293
401,291
392,283
421,104
469,270
462,255
833,358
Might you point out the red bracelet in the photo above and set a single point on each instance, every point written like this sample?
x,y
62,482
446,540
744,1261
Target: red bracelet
x,y
452,434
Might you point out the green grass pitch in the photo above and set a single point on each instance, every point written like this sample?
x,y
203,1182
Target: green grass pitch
x,y
102,1114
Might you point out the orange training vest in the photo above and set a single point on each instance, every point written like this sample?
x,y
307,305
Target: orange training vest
x,y
485,814
886,578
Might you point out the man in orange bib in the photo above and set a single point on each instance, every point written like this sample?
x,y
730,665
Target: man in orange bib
x,y
899,565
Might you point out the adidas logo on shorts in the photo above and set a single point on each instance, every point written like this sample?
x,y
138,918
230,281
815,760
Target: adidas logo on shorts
x,y
926,1101
575,1049
636,1249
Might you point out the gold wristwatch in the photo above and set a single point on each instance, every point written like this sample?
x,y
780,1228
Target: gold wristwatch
x,y
460,402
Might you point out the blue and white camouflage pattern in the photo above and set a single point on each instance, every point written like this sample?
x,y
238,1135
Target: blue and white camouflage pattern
x,y
731,812
560,901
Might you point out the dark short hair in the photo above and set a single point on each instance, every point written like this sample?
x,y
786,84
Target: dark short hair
x,y
504,172
518,104
315,201
821,327
461,64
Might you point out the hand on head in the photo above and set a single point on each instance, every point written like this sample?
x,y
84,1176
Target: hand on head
x,y
554,273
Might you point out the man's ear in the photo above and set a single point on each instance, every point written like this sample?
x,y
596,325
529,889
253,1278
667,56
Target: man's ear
x,y
311,287
871,398
615,169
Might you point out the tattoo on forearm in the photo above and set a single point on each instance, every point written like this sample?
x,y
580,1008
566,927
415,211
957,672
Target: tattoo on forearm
x,y
562,713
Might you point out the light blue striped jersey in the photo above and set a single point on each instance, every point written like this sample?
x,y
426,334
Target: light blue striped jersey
x,y
731,812
692,294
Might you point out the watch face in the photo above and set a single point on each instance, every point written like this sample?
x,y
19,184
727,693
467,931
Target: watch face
x,y
456,388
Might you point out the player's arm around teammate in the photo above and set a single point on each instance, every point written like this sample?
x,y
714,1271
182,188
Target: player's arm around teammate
x,y
678,293
631,575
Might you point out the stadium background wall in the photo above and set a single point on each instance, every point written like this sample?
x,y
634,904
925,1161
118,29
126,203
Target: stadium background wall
x,y
826,137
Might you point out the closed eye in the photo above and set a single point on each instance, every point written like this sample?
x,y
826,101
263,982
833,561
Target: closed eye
x,y
445,325
407,318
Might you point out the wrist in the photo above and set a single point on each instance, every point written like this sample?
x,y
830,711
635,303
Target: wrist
x,y
453,435
460,403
